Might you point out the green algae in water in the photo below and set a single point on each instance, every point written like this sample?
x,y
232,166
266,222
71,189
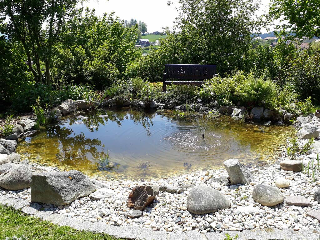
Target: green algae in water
x,y
135,144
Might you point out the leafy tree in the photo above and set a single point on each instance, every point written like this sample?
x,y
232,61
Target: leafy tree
x,y
94,50
303,16
209,32
142,27
36,25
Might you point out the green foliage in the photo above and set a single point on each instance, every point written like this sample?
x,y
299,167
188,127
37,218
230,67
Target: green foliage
x,y
41,114
24,21
94,50
303,16
7,127
304,75
294,149
240,89
221,36
15,224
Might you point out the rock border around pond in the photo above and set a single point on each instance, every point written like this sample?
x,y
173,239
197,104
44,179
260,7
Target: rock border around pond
x,y
169,216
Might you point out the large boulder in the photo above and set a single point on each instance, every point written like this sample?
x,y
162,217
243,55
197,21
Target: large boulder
x,y
203,199
237,174
7,146
60,188
267,195
308,131
27,124
257,113
142,196
15,176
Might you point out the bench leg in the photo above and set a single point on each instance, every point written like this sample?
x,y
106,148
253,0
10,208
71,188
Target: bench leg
x,y
164,87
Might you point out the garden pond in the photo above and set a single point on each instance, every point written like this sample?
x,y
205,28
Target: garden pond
x,y
138,145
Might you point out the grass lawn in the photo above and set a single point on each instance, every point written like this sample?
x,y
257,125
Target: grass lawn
x,y
15,224
153,37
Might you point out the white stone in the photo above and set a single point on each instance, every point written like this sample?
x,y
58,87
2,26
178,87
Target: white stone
x,y
282,183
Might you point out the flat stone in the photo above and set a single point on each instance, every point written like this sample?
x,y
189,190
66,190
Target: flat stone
x,y
314,214
102,193
298,201
291,165
134,214
282,183
247,210
267,195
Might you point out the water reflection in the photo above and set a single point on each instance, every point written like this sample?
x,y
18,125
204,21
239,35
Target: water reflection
x,y
140,145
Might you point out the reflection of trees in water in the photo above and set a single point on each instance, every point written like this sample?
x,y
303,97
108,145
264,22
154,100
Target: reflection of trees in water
x,y
75,149
93,121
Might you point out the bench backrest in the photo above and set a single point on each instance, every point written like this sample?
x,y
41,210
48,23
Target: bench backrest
x,y
189,71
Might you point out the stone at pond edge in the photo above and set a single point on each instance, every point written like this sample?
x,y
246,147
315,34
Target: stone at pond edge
x,y
60,188
298,201
267,195
15,176
142,196
317,195
291,165
237,174
314,214
203,199
257,113
7,146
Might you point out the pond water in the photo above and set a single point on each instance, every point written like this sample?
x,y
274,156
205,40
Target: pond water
x,y
132,144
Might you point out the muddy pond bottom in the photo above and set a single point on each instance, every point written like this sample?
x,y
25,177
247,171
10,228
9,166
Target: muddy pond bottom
x,y
139,145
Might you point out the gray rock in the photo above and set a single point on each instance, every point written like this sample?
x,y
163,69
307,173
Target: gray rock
x,y
226,110
237,174
314,214
13,136
268,114
15,176
67,107
60,188
203,199
102,193
239,113
27,124
8,146
85,105
317,195
291,165
4,158
267,195
298,201
142,196
14,158
308,131
257,113
134,214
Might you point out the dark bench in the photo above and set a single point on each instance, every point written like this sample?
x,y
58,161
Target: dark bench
x,y
187,74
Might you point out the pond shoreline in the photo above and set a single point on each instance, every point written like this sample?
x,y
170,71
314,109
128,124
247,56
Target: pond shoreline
x,y
168,217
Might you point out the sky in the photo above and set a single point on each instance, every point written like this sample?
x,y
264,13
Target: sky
x,y
155,13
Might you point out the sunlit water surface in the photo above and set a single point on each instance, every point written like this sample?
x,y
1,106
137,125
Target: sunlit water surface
x,y
131,144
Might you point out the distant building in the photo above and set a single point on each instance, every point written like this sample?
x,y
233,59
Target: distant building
x,y
144,42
